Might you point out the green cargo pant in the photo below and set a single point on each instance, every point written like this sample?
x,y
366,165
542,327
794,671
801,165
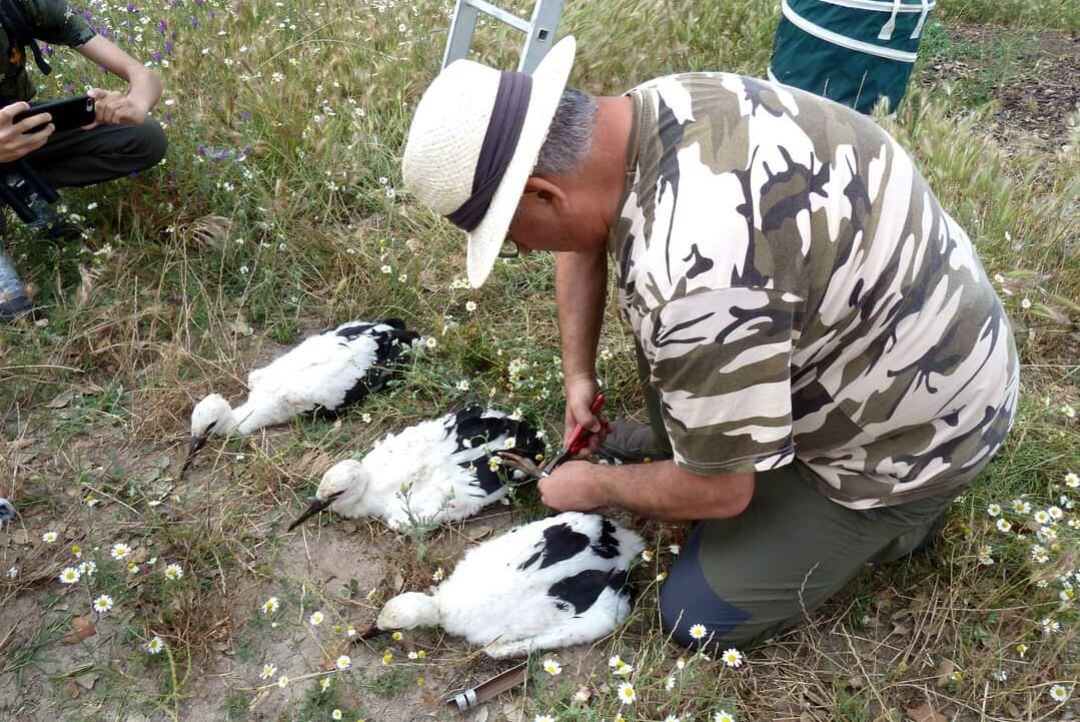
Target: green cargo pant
x,y
749,577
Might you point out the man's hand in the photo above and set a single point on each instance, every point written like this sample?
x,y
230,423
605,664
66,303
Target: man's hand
x,y
574,486
26,136
580,393
115,108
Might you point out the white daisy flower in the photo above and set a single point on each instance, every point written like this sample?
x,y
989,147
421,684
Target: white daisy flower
x,y
680,663
88,568
732,657
626,693
120,550
470,306
1021,649
49,537
155,645
993,509
103,604
1050,626
70,575
174,572
270,605
343,662
316,619
552,667
999,675
698,631
1042,517
1021,507
674,549
1003,526
647,555
1067,595
1072,480
439,575
623,669
283,681
1069,411
268,671
1055,512
615,661
1058,693
324,684
463,385
336,714
669,683
723,716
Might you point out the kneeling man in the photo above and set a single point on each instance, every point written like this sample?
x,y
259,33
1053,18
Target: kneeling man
x,y
828,363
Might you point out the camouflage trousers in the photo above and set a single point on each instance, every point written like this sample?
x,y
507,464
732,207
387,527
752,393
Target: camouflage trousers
x,y
752,576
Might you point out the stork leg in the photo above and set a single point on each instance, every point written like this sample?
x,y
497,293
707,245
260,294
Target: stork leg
x,y
524,465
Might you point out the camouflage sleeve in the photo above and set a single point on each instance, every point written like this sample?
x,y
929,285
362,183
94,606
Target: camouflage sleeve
x,y
54,21
721,361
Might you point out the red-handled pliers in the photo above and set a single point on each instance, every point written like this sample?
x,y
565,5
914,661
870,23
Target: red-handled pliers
x,y
578,439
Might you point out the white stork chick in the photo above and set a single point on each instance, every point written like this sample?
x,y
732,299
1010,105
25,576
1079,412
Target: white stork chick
x,y
551,583
325,373
436,471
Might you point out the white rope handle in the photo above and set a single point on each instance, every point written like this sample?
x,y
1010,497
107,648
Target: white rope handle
x,y
890,24
922,20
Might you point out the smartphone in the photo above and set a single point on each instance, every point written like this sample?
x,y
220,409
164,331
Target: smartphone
x,y
67,114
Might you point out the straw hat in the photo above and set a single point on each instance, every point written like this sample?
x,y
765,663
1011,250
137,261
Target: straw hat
x,y
448,131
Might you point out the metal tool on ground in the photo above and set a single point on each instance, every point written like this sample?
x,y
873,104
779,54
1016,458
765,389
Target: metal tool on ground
x,y
539,30
489,689
575,442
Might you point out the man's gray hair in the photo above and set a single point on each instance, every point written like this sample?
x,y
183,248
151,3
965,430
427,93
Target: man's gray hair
x,y
571,135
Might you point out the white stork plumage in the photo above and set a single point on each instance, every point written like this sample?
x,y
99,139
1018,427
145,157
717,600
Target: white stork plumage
x,y
438,470
552,583
324,373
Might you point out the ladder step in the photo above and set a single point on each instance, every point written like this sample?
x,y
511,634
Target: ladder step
x,y
499,14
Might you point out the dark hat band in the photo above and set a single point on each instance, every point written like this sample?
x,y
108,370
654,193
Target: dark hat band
x,y
500,142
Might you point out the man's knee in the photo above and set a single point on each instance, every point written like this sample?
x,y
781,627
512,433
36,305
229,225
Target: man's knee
x,y
692,614
147,144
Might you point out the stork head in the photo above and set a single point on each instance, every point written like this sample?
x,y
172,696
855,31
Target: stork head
x,y
212,415
408,611
342,489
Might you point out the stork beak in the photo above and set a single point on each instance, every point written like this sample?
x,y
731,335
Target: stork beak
x,y
316,506
194,444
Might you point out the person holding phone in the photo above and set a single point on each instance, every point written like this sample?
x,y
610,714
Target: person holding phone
x,y
121,139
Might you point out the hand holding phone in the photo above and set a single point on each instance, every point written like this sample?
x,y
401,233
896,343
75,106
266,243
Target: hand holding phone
x,y
116,108
66,114
19,137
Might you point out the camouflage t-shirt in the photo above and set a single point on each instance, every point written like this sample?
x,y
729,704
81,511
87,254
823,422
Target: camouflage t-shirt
x,y
52,21
799,294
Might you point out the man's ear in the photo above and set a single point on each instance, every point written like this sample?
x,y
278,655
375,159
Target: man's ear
x,y
546,192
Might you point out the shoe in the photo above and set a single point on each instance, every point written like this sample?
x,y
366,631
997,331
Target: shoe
x,y
13,300
629,442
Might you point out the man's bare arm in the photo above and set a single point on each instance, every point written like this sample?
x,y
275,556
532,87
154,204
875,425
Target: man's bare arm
x,y
580,291
660,490
144,85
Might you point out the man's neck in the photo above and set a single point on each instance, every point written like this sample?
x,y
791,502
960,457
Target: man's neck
x,y
606,166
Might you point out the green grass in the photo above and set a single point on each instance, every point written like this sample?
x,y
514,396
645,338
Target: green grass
x,y
163,303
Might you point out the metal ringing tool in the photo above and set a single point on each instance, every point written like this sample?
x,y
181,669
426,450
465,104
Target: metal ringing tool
x,y
575,442
487,690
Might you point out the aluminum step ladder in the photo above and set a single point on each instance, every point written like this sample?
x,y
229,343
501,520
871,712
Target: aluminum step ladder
x,y
539,31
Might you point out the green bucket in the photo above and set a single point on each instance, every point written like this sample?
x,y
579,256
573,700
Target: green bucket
x,y
852,51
